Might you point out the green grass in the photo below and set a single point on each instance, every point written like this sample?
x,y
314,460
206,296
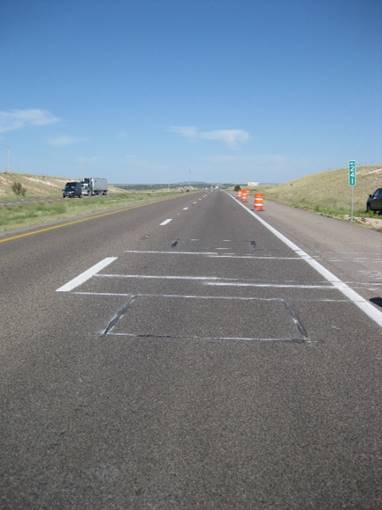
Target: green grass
x,y
328,192
17,215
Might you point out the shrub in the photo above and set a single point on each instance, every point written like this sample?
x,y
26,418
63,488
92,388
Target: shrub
x,y
237,187
18,189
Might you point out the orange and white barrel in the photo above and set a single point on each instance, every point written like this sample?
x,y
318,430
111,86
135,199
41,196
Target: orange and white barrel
x,y
258,204
244,195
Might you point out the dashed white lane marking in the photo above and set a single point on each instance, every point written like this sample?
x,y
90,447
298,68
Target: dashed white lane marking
x,y
86,275
185,208
165,222
351,294
194,203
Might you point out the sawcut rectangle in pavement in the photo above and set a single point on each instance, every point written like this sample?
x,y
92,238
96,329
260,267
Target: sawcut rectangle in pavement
x,y
220,319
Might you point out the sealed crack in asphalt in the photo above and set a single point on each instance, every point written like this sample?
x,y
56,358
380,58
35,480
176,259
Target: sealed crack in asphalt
x,y
291,339
118,316
297,321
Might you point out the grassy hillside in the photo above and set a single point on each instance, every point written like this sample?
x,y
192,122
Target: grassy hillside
x,y
328,192
37,186
43,202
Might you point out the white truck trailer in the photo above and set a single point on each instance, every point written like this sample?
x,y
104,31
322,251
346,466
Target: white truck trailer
x,y
94,186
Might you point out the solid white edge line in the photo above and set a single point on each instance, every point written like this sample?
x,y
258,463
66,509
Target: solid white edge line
x,y
86,275
165,222
351,294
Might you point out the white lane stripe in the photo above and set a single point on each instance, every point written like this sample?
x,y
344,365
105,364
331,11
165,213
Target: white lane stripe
x,y
210,254
191,296
180,296
185,208
159,277
86,275
217,281
351,294
165,222
273,285
153,252
230,256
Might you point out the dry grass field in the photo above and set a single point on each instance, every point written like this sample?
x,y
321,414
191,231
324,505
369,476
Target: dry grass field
x,y
328,192
37,186
43,202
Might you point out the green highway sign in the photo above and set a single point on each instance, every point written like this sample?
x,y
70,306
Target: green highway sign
x,y
352,173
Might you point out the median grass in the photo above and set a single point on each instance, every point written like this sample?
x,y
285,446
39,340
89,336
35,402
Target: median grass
x,y
328,192
44,212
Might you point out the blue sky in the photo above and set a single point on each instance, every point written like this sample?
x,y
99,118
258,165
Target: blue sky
x,y
172,90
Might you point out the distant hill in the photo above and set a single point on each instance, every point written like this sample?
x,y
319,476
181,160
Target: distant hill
x,y
328,191
36,185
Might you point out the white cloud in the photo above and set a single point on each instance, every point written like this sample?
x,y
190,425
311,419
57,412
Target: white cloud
x,y
63,140
16,119
230,137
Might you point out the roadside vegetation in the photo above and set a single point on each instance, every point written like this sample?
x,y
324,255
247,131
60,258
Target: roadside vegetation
x,y
14,186
27,199
328,192
44,212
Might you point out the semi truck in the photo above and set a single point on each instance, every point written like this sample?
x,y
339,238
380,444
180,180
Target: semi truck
x,y
94,186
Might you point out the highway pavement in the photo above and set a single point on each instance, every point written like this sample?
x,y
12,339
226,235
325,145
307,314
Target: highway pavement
x,y
184,355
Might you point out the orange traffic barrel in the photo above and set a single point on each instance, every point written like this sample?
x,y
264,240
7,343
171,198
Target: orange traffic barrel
x,y
258,204
244,194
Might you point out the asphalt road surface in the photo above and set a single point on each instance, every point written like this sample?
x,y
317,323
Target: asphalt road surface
x,y
182,355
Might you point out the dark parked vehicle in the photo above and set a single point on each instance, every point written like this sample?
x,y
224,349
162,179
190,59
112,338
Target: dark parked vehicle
x,y
72,189
374,202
